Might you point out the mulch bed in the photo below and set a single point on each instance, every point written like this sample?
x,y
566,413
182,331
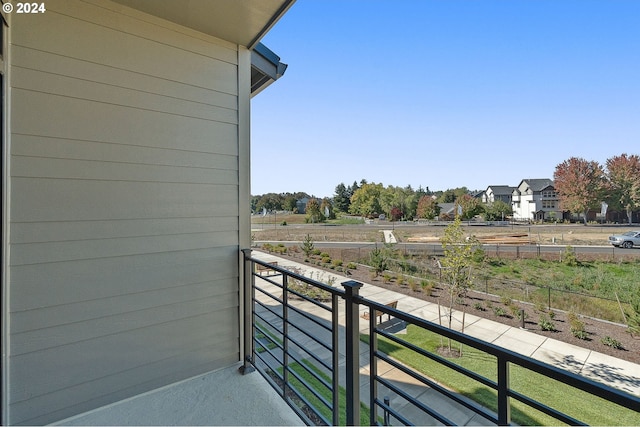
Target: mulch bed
x,y
596,329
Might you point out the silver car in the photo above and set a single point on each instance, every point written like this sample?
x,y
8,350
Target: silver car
x,y
626,240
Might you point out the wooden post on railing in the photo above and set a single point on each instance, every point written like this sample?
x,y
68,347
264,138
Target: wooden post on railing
x,y
352,352
247,312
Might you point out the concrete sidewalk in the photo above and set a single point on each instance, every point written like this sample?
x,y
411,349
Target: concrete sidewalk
x,y
599,367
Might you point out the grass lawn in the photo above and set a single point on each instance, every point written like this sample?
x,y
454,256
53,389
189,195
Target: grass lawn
x,y
583,406
319,387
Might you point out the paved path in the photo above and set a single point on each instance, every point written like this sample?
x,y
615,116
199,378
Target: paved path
x,y
600,367
388,236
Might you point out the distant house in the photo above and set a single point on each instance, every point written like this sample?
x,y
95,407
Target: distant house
x,y
447,209
493,193
535,199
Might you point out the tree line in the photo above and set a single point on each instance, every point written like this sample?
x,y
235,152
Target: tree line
x,y
583,185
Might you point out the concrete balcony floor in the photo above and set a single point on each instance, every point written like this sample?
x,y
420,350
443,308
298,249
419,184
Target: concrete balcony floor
x,y
223,397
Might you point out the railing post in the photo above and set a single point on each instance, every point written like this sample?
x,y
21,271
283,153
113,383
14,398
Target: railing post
x,y
247,315
504,407
352,352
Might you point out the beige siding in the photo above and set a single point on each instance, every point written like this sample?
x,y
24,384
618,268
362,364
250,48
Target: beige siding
x,y
124,210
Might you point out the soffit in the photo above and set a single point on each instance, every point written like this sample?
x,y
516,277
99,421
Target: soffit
x,y
242,22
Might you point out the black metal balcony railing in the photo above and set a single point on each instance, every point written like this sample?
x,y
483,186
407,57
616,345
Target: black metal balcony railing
x,y
313,361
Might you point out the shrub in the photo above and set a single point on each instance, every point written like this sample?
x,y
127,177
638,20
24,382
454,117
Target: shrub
x,y
546,324
479,306
521,313
352,266
413,285
283,223
386,278
499,311
569,257
400,279
427,287
337,262
612,342
326,259
505,300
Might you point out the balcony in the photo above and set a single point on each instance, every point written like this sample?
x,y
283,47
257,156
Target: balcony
x,y
313,368
305,341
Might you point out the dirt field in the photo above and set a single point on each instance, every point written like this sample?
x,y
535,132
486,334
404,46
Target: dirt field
x,y
270,228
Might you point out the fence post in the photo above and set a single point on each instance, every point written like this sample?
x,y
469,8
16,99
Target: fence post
x,y
352,352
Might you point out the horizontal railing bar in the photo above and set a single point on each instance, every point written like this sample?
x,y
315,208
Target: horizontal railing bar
x,y
297,276
324,401
546,409
306,316
268,280
582,383
440,360
269,309
313,355
430,383
413,401
314,374
269,294
390,410
306,402
309,299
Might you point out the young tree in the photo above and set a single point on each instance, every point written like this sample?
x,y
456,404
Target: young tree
x,y
428,208
459,252
396,214
470,206
580,185
314,214
497,211
307,245
624,183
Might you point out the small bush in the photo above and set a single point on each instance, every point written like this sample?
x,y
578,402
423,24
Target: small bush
x,y
413,285
546,324
612,342
283,223
326,259
499,311
569,257
337,262
352,266
478,306
386,278
427,287
506,301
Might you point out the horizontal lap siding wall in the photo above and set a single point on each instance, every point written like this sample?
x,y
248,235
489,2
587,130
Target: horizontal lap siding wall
x,y
123,209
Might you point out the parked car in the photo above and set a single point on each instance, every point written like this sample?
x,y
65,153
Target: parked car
x,y
626,240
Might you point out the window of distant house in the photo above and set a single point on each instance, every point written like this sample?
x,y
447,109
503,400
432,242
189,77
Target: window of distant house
x,y
548,204
549,194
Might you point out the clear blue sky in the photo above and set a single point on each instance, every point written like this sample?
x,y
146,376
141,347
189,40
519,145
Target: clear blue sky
x,y
445,93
